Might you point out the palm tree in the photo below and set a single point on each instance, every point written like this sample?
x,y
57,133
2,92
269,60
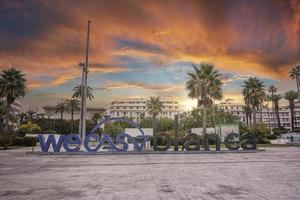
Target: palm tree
x,y
204,85
12,86
72,105
295,74
78,91
275,99
291,96
61,108
154,107
254,94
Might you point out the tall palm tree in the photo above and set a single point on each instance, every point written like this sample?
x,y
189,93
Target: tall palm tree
x,y
204,85
295,74
72,105
291,96
61,108
78,91
254,94
154,107
275,99
12,86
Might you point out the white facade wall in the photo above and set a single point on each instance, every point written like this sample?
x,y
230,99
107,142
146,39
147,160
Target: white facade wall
x,y
266,115
134,108
50,113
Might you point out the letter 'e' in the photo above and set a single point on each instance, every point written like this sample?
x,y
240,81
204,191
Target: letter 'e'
x,y
72,139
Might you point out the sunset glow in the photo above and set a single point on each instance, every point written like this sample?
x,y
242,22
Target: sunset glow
x,y
145,48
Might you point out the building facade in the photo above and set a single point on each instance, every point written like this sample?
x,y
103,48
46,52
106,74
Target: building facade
x,y
137,108
50,113
265,114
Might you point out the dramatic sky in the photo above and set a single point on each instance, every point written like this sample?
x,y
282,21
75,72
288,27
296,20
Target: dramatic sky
x,y
145,48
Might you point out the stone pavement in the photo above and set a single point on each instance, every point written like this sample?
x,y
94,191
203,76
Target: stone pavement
x,y
273,174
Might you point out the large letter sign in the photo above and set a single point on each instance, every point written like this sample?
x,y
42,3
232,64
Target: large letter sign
x,y
71,142
192,142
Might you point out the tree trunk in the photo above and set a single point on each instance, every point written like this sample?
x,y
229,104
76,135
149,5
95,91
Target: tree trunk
x,y
204,120
268,115
298,86
72,120
154,132
6,127
250,118
254,116
277,115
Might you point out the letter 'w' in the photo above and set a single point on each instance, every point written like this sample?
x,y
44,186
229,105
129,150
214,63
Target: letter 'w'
x,y
51,139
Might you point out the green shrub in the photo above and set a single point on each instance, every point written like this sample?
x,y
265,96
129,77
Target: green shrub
x,y
271,136
282,130
49,132
29,128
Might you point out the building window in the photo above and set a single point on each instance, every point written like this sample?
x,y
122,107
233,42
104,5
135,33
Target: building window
x,y
117,113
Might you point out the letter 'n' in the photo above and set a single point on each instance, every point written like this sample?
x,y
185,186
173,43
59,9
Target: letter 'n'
x,y
51,139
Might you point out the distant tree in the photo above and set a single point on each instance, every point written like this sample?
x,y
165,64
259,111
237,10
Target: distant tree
x,y
291,96
72,105
275,99
78,91
154,107
295,74
61,108
254,94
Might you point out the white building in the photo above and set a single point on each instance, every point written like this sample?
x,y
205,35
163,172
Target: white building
x,y
135,108
50,113
265,115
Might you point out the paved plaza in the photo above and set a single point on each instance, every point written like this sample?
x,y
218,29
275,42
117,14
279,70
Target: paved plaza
x,y
273,174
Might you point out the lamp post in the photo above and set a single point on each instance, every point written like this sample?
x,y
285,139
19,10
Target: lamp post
x,y
82,125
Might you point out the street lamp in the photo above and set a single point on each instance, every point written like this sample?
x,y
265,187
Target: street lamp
x,y
82,125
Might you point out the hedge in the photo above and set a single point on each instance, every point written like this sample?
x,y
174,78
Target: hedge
x,y
24,141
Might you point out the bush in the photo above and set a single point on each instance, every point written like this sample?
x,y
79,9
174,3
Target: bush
x,y
24,141
271,136
278,131
51,132
29,128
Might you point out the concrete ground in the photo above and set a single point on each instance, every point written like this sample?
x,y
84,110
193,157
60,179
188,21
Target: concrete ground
x,y
273,174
